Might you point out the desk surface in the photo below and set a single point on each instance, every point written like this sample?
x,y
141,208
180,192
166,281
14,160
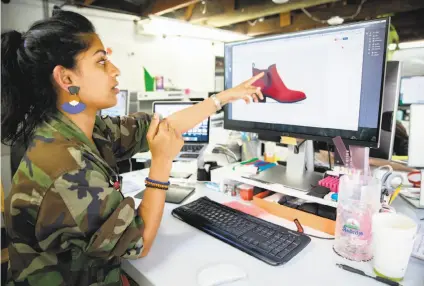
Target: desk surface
x,y
181,251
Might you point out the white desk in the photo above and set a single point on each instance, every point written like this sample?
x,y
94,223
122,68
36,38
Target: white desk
x,y
181,251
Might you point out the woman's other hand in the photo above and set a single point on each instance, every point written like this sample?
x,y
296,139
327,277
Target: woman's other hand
x,y
245,91
165,144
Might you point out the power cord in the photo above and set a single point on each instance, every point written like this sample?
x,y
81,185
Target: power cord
x,y
296,147
302,231
226,151
329,156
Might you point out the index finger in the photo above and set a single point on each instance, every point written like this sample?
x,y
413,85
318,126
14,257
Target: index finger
x,y
253,79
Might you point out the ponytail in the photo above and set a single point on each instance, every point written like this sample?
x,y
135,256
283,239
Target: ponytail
x,y
28,95
14,89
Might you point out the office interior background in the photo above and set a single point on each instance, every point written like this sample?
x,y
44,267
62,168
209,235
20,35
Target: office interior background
x,y
173,50
182,42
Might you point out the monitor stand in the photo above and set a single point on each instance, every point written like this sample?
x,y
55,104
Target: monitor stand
x,y
299,173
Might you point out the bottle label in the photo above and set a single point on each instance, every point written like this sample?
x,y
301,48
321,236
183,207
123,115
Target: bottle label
x,y
352,226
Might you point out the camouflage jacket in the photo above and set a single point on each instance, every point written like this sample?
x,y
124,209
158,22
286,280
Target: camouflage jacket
x,y
66,223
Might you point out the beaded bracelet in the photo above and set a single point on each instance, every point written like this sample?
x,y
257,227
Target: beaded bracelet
x,y
157,182
155,186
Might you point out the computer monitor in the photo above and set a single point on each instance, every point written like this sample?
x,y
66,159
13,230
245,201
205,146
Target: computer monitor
x,y
198,134
390,104
412,90
121,107
318,84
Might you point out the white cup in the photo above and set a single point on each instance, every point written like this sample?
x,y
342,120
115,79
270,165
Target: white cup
x,y
393,240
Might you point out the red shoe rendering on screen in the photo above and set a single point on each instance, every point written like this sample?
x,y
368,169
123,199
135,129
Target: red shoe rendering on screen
x,y
272,86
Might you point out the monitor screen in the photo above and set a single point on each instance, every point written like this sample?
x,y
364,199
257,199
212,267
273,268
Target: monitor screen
x,y
412,90
121,107
199,134
318,84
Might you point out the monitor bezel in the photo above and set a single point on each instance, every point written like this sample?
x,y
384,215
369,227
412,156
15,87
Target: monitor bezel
x,y
238,125
185,103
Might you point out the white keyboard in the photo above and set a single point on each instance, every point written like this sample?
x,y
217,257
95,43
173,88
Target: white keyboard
x,y
418,250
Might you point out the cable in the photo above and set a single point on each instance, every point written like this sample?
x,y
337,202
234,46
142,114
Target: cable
x,y
301,230
351,17
357,11
320,237
229,151
312,17
296,147
329,156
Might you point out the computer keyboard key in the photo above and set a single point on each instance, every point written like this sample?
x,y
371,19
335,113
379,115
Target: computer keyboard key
x,y
297,241
291,247
275,251
256,237
265,247
283,253
189,156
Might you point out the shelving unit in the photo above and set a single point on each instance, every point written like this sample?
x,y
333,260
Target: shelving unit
x,y
160,95
227,173
142,101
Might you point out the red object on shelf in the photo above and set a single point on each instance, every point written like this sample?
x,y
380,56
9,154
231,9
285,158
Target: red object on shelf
x,y
246,192
331,183
415,179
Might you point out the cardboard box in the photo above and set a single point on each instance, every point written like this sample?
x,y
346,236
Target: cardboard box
x,y
305,219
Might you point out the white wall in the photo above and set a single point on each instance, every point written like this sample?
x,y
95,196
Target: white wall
x,y
189,63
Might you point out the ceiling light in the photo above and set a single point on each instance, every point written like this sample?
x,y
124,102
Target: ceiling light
x,y
392,47
157,25
336,20
280,1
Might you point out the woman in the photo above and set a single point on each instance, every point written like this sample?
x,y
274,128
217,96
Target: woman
x,y
67,221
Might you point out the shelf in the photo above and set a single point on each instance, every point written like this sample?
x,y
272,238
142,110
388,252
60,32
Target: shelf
x,y
169,95
226,173
285,190
160,95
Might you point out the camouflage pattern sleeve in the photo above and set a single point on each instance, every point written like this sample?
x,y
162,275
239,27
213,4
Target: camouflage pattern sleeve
x,y
80,209
127,133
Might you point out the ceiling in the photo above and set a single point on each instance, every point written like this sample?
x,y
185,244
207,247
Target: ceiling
x,y
264,17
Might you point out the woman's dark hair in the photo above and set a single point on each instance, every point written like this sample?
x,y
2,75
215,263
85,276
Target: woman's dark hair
x,y
27,89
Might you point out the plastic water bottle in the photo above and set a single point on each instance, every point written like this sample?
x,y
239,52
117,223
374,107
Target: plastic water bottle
x,y
358,200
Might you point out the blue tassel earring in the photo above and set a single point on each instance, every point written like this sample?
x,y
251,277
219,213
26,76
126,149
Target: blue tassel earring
x,y
74,106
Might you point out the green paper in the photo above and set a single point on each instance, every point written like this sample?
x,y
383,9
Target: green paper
x,y
149,81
